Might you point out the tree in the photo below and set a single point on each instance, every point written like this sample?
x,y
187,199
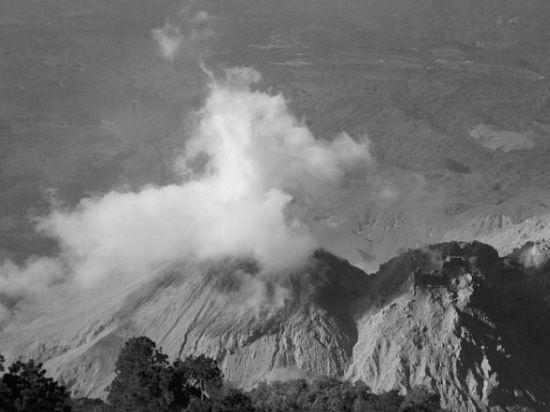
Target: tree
x,y
143,379
227,400
383,402
322,394
89,405
200,375
4,392
421,399
292,395
199,405
30,390
230,399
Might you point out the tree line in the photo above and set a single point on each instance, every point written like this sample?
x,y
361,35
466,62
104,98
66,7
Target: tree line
x,y
146,381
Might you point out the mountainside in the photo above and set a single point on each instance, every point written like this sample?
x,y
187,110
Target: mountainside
x,y
460,319
251,329
453,316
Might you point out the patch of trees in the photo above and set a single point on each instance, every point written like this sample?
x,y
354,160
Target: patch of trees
x,y
146,381
25,387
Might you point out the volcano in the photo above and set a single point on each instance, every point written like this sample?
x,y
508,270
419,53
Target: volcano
x,y
455,317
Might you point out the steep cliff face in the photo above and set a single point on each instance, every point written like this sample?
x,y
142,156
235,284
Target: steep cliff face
x,y
454,317
460,320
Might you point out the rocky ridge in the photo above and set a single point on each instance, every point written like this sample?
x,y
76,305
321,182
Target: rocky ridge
x,y
454,317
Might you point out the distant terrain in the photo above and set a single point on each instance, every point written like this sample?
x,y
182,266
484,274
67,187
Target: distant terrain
x,y
88,105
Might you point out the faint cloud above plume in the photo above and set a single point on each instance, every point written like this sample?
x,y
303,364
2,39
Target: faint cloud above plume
x,y
184,34
200,17
169,40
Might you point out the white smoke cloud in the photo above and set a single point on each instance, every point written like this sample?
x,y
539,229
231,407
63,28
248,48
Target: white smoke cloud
x,y
246,161
30,280
36,274
169,40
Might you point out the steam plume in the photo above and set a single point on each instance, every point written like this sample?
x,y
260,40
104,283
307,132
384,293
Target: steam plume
x,y
245,162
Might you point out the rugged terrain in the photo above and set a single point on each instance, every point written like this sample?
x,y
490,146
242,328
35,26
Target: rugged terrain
x,y
453,316
458,318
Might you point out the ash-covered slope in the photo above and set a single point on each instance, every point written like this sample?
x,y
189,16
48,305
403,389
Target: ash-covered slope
x,y
251,327
454,317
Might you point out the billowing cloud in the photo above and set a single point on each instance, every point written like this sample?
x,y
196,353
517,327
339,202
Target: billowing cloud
x,y
31,278
246,161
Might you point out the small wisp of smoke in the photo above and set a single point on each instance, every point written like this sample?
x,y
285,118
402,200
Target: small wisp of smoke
x,y
185,35
169,40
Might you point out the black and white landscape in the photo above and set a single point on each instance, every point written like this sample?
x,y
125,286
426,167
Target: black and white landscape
x,y
295,189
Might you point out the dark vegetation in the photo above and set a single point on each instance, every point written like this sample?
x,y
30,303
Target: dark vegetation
x,y
25,387
146,381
